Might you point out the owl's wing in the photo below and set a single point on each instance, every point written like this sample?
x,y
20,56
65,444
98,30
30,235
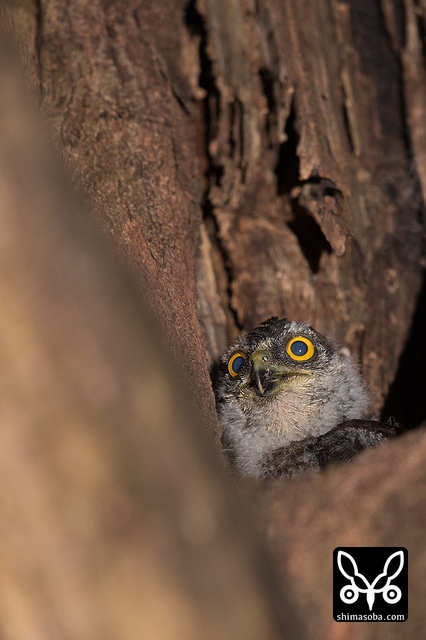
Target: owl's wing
x,y
340,444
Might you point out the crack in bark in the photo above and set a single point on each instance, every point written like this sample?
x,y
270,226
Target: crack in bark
x,y
288,163
349,128
38,42
211,104
236,134
211,111
267,81
311,239
272,76
405,400
420,14
396,42
213,231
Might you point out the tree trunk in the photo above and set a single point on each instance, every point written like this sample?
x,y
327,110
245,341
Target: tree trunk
x,y
255,159
116,521
313,202
309,169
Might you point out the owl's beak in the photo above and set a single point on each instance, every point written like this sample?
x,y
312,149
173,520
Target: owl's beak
x,y
263,373
261,379
267,376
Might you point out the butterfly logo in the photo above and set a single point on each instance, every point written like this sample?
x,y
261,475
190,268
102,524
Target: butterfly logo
x,y
359,583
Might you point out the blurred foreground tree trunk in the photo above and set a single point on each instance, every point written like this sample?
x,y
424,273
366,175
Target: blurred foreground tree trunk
x,y
254,159
116,517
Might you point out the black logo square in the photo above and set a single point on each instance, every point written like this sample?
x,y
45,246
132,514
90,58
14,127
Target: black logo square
x,y
370,584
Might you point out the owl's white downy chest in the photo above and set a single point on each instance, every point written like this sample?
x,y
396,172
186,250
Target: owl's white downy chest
x,y
255,431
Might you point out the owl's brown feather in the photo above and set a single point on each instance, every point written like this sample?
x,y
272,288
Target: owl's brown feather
x,y
341,444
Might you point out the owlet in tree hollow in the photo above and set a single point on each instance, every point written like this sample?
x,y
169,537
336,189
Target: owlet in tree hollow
x,y
289,400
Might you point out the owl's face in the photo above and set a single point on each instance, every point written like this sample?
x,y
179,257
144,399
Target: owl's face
x,y
282,382
277,356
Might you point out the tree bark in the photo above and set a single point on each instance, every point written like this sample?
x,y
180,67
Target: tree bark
x,y
310,166
377,501
311,189
119,106
117,519
254,159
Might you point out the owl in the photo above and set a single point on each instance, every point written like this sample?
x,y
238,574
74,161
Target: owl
x,y
289,399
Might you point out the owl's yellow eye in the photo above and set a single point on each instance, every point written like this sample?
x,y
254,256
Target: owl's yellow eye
x,y
300,348
235,363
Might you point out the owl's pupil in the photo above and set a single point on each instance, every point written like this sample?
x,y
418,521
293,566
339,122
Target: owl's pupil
x,y
237,364
299,348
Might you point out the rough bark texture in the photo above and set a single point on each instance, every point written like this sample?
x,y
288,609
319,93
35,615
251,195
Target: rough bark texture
x,y
310,193
255,158
311,189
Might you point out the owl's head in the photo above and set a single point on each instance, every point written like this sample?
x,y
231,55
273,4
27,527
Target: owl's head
x,y
285,377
